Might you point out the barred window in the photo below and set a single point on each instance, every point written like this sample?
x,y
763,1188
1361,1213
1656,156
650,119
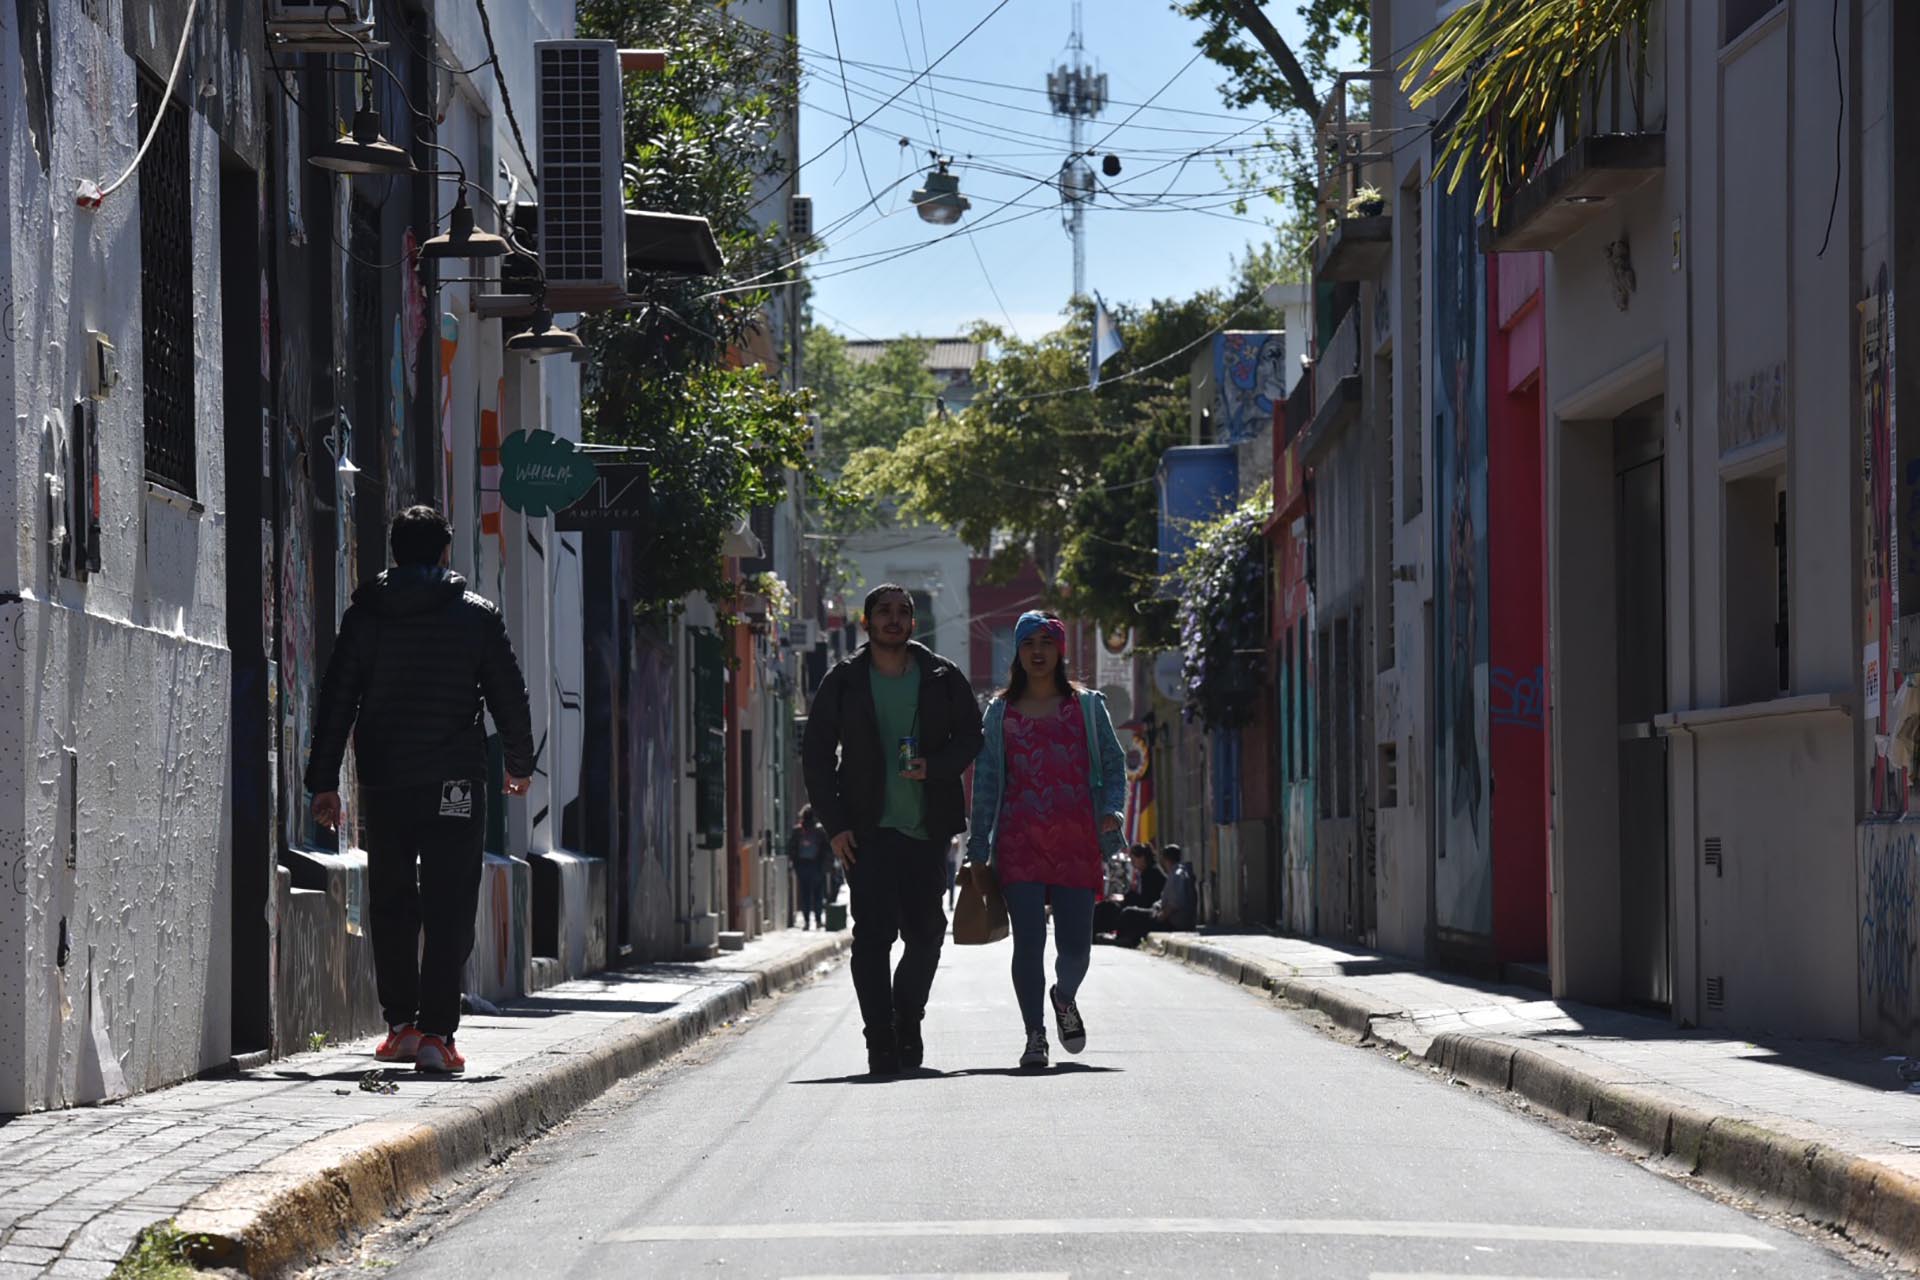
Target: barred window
x,y
166,292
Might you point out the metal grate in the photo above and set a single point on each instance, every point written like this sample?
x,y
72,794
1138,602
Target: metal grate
x,y
166,292
1716,993
1711,854
572,177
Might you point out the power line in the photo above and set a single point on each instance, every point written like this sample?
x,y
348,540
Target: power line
x,y
506,98
883,106
834,19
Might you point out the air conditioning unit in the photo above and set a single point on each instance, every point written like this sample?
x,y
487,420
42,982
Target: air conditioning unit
x,y
800,220
299,26
580,124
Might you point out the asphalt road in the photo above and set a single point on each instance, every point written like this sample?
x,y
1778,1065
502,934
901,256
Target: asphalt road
x,y
1203,1132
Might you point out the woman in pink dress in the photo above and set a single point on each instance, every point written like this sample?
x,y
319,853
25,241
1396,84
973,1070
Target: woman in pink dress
x,y
1047,795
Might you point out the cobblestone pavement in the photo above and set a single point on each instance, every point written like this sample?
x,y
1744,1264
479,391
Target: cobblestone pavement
x,y
77,1187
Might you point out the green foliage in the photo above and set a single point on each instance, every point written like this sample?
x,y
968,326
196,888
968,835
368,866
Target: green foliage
x,y
161,1253
1222,588
1282,169
1038,466
866,404
701,139
1531,70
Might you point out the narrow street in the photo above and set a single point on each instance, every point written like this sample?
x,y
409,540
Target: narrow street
x,y
1203,1132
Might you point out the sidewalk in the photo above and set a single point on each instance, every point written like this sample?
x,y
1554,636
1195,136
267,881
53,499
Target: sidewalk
x,y
278,1165
1822,1129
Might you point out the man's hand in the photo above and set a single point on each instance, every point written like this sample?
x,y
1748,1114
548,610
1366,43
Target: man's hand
x,y
516,786
326,809
843,846
916,770
1110,823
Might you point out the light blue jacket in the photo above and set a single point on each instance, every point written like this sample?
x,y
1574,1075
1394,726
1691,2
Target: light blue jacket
x,y
1107,774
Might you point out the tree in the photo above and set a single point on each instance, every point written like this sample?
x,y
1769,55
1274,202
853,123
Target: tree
x,y
1266,72
866,404
1532,69
1040,467
667,377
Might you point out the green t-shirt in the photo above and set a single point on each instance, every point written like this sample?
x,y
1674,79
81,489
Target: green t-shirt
x,y
896,703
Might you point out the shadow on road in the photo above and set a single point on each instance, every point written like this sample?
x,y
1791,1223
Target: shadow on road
x,y
927,1073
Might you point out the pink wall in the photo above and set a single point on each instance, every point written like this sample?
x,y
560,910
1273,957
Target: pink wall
x,y
1516,556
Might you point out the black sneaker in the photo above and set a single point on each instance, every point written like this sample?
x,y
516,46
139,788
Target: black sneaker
x,y
1073,1028
883,1062
913,1050
1035,1058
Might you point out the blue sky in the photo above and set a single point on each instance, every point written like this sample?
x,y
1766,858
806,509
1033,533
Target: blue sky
x,y
1163,249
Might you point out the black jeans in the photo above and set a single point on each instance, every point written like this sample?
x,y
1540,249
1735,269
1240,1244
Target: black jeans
x,y
811,877
423,871
896,883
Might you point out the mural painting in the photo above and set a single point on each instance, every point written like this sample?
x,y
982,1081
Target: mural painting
x,y
1250,372
650,729
1889,878
449,347
1880,595
1463,852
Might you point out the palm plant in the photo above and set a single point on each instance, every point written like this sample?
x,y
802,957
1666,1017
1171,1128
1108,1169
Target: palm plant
x,y
1531,71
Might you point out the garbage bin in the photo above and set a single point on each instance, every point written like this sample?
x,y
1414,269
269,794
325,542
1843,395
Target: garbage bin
x,y
836,915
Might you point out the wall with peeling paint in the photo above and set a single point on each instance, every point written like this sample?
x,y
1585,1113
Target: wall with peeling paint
x,y
113,691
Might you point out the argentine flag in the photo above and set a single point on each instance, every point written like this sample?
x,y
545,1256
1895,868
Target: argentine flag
x,y
1106,341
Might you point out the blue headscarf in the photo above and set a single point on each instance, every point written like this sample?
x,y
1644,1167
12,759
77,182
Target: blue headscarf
x,y
1033,620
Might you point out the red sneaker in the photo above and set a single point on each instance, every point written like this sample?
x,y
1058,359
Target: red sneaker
x,y
401,1044
438,1057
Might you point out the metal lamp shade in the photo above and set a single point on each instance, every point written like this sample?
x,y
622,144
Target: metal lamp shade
x,y
940,201
364,152
542,338
461,239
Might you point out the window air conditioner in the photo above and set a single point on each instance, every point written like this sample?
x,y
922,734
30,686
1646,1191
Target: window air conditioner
x,y
299,26
580,123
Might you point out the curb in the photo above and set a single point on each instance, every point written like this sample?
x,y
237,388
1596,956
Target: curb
x,y
322,1195
1805,1173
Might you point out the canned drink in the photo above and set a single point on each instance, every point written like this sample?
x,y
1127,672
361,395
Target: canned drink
x,y
909,752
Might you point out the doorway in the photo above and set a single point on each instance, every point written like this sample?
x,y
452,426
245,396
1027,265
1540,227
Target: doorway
x,y
1640,595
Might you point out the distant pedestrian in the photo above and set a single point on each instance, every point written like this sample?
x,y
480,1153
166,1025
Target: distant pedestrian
x,y
416,657
1143,890
807,855
1177,908
889,734
1047,797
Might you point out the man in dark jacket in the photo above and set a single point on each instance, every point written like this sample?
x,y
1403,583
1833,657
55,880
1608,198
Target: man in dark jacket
x,y
889,734
416,654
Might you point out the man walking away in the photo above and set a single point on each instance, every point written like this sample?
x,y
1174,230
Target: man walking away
x,y
807,855
890,731
416,655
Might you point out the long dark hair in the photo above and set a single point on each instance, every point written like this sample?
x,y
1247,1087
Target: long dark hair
x,y
1062,674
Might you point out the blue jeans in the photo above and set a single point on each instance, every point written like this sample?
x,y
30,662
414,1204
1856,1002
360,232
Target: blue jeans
x,y
1072,941
811,877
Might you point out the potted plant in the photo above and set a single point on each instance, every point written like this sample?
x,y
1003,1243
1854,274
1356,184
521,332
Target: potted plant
x,y
1367,202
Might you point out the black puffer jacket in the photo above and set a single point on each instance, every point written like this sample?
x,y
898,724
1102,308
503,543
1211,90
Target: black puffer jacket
x,y
416,654
846,764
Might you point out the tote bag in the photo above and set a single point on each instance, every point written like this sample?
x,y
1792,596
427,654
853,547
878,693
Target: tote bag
x,y
979,915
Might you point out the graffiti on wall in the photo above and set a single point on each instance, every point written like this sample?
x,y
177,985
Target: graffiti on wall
x,y
1889,879
1250,374
449,348
1517,698
1463,866
1880,595
1753,408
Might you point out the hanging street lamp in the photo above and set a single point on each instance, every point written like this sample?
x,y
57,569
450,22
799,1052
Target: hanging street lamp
x,y
940,201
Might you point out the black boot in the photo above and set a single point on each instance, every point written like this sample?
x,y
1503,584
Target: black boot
x,y
883,1054
913,1051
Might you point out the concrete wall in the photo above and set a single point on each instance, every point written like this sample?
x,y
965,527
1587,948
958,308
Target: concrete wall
x,y
114,817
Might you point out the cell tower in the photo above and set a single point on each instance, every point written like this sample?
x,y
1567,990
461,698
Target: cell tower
x,y
1079,94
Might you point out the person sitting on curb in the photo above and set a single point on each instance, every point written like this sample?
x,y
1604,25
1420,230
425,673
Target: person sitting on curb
x,y
1143,890
1175,911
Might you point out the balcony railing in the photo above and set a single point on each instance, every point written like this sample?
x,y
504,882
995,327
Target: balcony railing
x,y
1354,161
1340,361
